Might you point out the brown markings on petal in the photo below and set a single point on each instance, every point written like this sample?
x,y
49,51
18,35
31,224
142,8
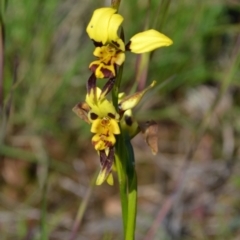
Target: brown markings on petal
x,y
93,116
91,83
103,156
93,67
116,44
111,154
105,122
94,143
108,86
108,144
107,73
82,109
107,161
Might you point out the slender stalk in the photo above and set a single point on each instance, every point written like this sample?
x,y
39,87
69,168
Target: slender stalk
x,y
122,187
124,160
120,157
132,207
132,190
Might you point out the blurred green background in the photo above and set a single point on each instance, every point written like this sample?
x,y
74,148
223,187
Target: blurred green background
x,y
47,160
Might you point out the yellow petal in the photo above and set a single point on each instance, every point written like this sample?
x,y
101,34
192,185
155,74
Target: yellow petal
x,y
131,101
101,177
103,71
106,108
99,145
148,41
113,127
92,98
97,28
102,142
110,180
97,126
113,26
120,58
104,24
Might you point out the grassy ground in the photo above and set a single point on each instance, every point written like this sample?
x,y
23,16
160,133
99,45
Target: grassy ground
x,y
190,190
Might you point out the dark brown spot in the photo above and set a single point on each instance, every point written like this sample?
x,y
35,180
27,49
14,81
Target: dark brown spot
x,y
93,116
128,120
111,115
127,47
116,44
97,44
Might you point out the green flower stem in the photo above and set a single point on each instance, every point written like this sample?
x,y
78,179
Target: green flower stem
x,y
132,190
120,156
122,178
132,207
124,160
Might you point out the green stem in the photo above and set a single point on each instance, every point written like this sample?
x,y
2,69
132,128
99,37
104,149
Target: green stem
x,y
132,207
132,190
124,160
120,157
122,184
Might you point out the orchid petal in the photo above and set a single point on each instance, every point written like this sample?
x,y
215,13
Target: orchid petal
x,y
131,101
148,41
104,25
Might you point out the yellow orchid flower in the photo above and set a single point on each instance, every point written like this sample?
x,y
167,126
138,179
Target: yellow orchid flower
x,y
101,114
104,120
98,111
110,48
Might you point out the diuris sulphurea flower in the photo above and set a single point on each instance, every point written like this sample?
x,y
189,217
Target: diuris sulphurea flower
x,y
98,111
104,120
111,118
110,48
